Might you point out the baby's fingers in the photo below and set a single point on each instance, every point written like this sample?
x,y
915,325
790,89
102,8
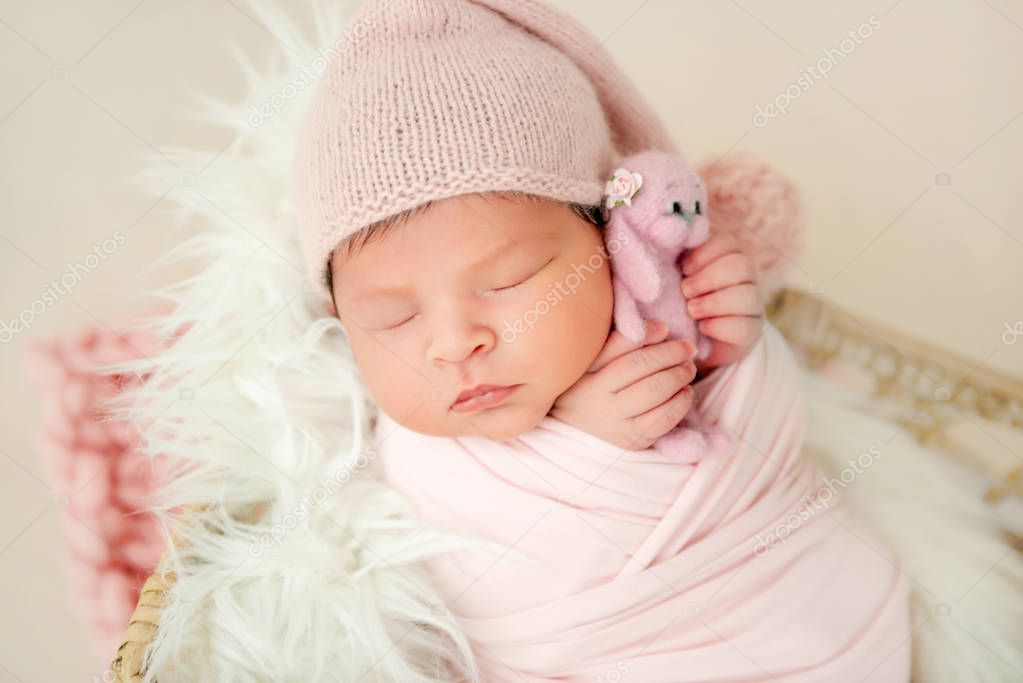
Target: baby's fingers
x,y
661,419
617,344
744,299
730,269
714,248
737,330
654,390
649,360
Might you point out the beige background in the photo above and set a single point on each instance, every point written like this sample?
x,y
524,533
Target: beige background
x,y
908,155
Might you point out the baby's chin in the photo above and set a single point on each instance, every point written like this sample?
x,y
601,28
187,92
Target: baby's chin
x,y
499,423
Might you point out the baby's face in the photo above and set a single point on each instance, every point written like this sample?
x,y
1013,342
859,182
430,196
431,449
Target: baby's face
x,y
477,290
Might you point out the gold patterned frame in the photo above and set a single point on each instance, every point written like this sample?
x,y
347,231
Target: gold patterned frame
x,y
936,387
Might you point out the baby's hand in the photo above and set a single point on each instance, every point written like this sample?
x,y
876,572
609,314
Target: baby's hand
x,y
632,393
718,281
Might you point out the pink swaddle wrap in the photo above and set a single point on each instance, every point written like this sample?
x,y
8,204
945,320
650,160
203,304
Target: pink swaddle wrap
x,y
628,565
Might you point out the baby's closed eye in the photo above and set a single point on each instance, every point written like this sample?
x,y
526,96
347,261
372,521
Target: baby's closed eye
x,y
522,276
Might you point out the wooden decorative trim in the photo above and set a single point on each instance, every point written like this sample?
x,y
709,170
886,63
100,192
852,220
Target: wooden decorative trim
x,y
934,385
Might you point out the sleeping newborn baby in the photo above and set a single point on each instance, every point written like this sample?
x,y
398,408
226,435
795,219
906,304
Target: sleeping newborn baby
x,y
447,179
479,315
617,559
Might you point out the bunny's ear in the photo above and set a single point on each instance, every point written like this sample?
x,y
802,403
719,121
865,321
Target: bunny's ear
x,y
761,208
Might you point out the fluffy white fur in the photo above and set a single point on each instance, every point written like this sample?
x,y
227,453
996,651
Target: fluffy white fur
x,y
259,401
966,576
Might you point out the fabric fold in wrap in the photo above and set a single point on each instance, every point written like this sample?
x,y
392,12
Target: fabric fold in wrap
x,y
624,565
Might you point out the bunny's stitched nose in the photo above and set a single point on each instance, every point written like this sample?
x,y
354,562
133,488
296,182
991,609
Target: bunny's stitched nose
x,y
677,210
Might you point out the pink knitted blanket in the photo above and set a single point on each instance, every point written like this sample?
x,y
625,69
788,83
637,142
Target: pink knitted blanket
x,y
624,565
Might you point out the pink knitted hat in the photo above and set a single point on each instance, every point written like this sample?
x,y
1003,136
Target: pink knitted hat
x,y
437,98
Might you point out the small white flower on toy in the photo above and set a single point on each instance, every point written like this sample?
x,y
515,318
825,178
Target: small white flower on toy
x,y
622,187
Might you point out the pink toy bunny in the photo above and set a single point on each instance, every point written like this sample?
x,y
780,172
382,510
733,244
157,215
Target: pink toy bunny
x,y
656,209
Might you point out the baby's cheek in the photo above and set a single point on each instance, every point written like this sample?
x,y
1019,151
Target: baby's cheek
x,y
598,308
389,373
575,333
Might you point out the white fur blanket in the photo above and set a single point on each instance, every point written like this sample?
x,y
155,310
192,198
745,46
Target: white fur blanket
x,y
260,401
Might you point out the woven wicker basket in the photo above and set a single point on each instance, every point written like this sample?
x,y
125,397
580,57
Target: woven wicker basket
x,y
126,666
821,333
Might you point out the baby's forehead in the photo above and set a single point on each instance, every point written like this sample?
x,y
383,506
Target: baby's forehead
x,y
486,247
459,234
395,269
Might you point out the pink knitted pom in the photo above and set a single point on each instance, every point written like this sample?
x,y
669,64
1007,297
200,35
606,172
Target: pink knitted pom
x,y
142,551
133,482
112,523
761,208
91,432
91,461
86,548
114,590
92,494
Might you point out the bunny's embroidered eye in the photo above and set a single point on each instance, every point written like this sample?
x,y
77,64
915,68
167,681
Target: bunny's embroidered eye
x,y
698,208
675,208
